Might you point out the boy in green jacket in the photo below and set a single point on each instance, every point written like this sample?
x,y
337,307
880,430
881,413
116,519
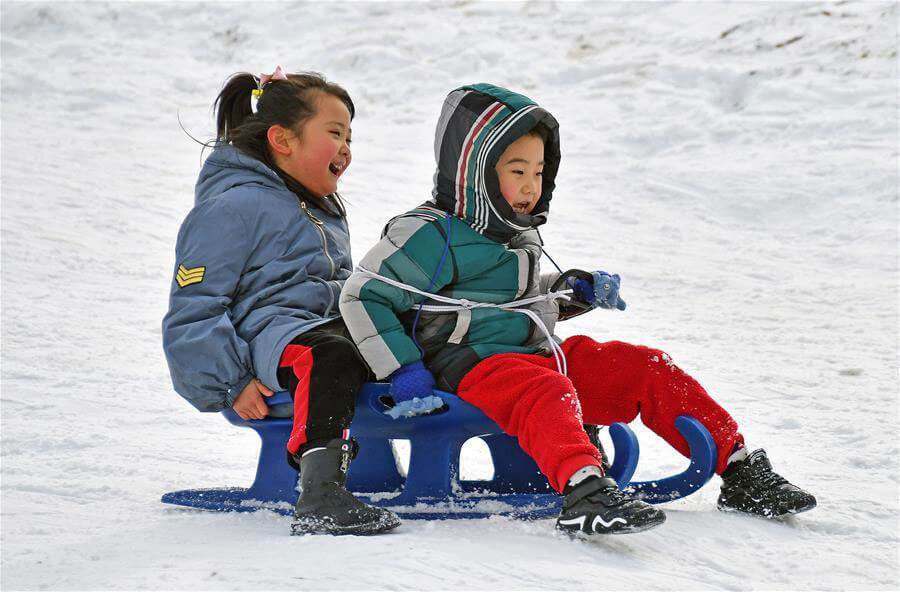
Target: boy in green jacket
x,y
453,297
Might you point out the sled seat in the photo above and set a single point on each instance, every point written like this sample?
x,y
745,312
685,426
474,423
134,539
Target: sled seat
x,y
431,488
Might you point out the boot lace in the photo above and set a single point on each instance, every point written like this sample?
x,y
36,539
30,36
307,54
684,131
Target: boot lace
x,y
615,494
766,478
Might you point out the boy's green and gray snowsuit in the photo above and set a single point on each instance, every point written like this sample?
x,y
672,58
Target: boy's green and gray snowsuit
x,y
492,256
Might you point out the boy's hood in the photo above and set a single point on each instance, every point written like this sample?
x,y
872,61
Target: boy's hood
x,y
476,125
228,167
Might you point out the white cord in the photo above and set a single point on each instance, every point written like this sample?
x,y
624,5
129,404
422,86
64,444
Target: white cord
x,y
462,304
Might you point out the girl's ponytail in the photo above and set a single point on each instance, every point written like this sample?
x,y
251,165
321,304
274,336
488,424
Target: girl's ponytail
x,y
232,106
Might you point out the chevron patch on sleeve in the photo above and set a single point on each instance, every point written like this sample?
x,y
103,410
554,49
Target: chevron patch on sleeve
x,y
187,276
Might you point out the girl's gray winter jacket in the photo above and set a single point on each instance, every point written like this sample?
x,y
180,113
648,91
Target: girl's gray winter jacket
x,y
255,267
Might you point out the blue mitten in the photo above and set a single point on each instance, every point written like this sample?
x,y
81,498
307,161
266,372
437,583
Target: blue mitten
x,y
603,291
412,388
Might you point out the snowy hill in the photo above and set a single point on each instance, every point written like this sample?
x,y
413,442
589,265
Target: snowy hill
x,y
736,163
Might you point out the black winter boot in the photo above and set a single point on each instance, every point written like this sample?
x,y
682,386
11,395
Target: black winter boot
x,y
325,506
598,506
750,486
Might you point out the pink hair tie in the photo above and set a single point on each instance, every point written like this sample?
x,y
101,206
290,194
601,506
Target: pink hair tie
x,y
264,79
278,74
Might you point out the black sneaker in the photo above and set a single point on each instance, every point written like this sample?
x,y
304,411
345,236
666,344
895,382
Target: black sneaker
x,y
750,486
598,506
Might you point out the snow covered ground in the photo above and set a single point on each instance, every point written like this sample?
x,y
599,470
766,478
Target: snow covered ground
x,y
736,163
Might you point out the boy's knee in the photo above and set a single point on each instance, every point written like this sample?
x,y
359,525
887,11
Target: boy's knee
x,y
652,356
549,386
514,380
577,342
636,353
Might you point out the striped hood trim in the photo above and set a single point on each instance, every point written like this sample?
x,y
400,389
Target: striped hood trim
x,y
476,125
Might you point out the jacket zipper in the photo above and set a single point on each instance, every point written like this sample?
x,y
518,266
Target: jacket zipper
x,y
318,224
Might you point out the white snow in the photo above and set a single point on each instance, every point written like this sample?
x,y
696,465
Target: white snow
x,y
737,164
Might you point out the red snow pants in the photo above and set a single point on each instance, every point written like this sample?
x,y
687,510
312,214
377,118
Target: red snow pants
x,y
607,382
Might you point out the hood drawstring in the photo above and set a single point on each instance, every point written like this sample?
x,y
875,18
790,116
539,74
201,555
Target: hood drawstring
x,y
569,281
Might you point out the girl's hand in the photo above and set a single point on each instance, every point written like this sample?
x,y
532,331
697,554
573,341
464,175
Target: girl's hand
x,y
250,404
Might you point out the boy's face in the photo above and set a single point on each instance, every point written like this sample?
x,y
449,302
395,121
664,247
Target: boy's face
x,y
520,170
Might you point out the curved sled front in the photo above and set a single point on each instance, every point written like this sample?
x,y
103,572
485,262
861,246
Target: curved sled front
x,y
701,469
627,453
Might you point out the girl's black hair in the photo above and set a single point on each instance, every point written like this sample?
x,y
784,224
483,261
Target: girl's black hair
x,y
288,103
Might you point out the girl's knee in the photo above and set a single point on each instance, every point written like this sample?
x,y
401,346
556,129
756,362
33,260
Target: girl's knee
x,y
339,352
340,348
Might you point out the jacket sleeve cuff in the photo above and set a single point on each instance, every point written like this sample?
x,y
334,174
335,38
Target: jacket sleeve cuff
x,y
235,391
547,280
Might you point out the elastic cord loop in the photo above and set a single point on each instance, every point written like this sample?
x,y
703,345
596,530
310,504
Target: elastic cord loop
x,y
456,304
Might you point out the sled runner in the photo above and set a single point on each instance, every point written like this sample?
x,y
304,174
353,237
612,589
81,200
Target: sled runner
x,y
431,489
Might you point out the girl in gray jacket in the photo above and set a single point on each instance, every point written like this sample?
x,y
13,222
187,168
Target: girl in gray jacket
x,y
260,262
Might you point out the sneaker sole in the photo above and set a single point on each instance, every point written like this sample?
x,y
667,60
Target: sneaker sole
x,y
312,528
643,528
587,536
788,512
799,510
624,530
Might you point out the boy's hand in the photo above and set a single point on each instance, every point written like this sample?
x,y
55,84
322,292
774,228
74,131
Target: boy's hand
x,y
602,291
250,404
412,388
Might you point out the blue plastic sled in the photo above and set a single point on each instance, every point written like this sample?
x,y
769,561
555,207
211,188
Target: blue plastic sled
x,y
431,489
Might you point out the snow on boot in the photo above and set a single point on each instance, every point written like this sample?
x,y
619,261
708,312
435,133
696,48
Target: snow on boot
x,y
598,506
750,486
325,506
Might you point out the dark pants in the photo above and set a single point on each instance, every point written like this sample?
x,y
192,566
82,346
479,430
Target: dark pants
x,y
324,371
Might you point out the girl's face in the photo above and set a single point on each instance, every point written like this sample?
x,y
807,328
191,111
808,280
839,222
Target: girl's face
x,y
320,154
520,170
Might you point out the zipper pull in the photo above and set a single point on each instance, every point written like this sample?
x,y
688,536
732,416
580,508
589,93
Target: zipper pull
x,y
310,214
